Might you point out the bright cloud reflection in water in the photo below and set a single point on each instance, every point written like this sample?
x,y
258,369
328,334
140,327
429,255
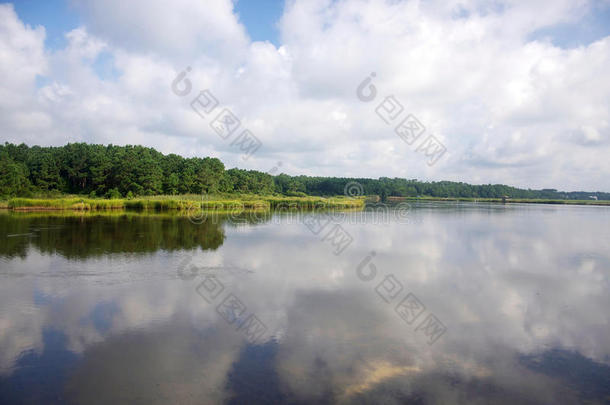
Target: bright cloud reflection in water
x,y
92,309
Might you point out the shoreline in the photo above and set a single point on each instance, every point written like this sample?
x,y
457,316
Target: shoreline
x,y
244,203
500,201
182,203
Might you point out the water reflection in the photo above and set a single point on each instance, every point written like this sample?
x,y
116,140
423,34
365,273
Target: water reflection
x,y
522,290
84,235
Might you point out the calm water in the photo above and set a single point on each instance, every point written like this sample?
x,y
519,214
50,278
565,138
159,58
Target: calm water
x,y
459,303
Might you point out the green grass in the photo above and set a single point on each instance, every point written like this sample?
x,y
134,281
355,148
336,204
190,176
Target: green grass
x,y
315,202
232,203
86,204
218,203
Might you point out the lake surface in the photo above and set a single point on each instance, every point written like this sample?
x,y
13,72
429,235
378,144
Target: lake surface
x,y
441,303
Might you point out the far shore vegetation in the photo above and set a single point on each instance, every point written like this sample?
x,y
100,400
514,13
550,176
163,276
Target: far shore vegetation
x,y
88,177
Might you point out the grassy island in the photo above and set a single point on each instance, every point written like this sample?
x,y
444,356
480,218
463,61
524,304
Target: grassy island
x,y
184,203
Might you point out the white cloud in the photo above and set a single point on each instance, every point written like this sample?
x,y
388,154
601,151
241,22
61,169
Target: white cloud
x,y
180,29
509,109
22,57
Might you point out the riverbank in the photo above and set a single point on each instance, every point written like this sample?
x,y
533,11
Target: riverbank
x,y
182,203
507,201
248,202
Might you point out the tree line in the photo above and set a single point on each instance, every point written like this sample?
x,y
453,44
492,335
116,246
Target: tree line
x,y
115,171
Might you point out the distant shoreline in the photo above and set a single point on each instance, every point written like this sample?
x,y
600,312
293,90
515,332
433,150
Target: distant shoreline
x,y
244,203
507,201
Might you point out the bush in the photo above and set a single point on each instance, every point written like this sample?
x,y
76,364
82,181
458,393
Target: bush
x,y
113,193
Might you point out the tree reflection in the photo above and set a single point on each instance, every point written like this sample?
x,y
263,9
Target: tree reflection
x,y
80,236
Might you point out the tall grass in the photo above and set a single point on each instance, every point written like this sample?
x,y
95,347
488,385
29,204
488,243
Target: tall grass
x,y
64,203
232,203
183,203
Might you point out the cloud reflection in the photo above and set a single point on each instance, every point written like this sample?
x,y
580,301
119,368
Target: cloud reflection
x,y
508,281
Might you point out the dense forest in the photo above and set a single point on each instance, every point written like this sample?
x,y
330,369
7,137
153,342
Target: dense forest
x,y
115,171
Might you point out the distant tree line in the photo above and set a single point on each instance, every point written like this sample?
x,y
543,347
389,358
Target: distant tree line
x,y
389,187
115,171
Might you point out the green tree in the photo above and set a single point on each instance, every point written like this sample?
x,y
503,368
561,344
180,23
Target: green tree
x,y
13,177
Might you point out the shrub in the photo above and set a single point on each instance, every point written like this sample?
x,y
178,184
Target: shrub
x,y
113,193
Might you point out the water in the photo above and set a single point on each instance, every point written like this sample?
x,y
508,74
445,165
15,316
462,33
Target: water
x,y
460,303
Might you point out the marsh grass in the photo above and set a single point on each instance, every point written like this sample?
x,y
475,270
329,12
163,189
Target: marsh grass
x,y
217,203
230,203
315,202
85,204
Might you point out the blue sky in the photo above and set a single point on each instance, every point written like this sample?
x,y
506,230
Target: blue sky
x,y
260,18
59,17
594,25
55,15
517,92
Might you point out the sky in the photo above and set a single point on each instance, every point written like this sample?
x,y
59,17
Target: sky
x,y
507,91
